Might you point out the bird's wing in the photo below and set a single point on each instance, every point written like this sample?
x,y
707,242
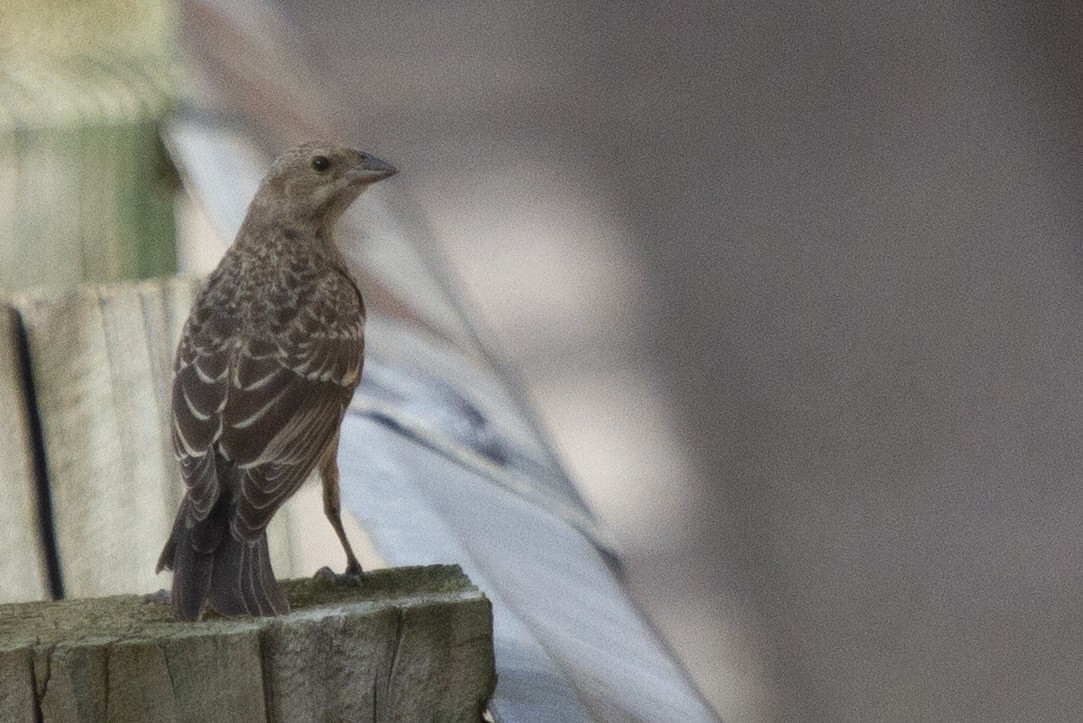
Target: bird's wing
x,y
287,393
200,388
270,402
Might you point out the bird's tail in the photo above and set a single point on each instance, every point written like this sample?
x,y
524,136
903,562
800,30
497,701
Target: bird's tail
x,y
211,564
242,580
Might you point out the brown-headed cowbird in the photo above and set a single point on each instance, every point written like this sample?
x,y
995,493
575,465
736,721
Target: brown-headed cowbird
x,y
269,358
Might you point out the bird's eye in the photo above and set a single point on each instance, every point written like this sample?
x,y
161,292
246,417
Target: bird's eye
x,y
321,163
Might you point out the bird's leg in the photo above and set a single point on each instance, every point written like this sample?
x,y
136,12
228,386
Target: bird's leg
x,y
331,507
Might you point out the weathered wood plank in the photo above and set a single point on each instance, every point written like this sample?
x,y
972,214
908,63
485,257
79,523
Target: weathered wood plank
x,y
17,698
100,359
406,644
22,564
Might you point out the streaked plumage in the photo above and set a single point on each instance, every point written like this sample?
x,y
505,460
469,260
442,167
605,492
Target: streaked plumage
x,y
269,359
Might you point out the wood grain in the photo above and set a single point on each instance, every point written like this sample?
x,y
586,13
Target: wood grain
x,y
406,644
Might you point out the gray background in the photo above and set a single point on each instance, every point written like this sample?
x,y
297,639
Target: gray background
x,y
797,290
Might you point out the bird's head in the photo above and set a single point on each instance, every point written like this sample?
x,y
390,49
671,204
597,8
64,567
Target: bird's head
x,y
316,182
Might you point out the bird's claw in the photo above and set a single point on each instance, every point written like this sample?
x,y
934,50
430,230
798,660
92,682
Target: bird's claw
x,y
351,576
162,597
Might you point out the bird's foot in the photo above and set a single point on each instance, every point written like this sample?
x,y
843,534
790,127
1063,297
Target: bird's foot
x,y
162,597
351,577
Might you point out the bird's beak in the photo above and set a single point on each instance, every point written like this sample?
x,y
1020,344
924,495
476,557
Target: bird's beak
x,y
372,169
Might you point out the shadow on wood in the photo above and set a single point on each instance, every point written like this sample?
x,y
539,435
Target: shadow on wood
x,y
22,562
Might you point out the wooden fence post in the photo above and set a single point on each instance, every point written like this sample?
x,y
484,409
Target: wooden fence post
x,y
409,644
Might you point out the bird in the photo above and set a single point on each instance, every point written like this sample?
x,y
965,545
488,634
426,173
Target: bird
x,y
267,363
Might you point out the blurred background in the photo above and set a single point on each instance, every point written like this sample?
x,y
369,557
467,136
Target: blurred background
x,y
796,291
